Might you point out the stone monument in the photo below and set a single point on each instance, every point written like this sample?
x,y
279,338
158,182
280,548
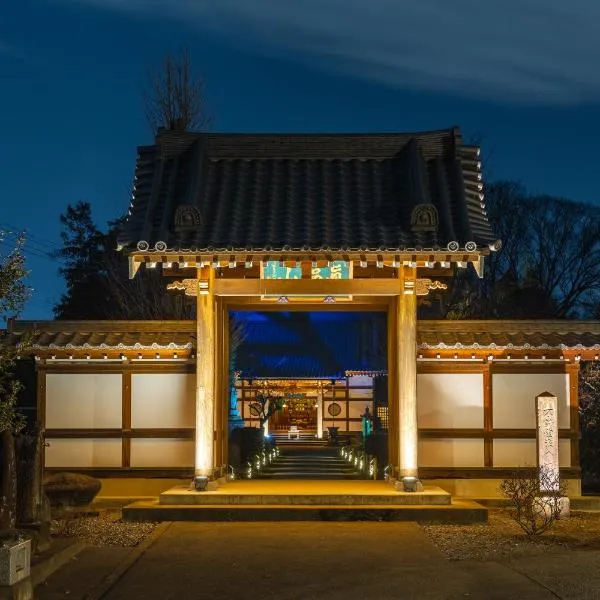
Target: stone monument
x,y
546,406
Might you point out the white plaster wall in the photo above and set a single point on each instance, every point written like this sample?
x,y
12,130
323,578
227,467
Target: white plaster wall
x,y
358,408
162,452
450,452
515,453
450,400
352,426
514,398
164,400
360,380
80,453
360,393
523,453
83,401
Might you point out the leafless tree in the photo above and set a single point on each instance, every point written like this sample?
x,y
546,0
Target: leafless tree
x,y
534,509
175,98
549,264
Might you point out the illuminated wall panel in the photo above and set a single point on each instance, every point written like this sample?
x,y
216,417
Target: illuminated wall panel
x,y
360,393
358,408
450,400
163,400
360,381
515,453
450,452
161,453
83,401
81,453
514,398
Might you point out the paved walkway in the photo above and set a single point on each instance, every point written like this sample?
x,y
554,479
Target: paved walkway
x,y
312,561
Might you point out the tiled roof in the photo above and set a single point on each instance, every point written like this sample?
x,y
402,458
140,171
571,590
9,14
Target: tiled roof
x,y
132,335
430,334
509,334
256,192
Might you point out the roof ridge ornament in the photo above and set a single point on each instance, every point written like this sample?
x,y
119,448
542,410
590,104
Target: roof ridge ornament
x,y
424,217
187,217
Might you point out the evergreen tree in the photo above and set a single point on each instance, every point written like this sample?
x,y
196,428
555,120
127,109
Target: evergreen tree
x,y
97,277
13,295
84,269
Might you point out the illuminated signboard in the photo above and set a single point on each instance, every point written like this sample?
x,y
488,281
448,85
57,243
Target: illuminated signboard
x,y
272,269
337,269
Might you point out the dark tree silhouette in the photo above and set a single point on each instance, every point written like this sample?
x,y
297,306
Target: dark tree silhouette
x,y
97,278
548,267
13,294
175,98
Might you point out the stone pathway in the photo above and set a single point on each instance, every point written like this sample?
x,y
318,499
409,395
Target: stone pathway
x,y
316,561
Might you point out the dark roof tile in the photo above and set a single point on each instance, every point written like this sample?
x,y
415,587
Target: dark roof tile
x,y
338,192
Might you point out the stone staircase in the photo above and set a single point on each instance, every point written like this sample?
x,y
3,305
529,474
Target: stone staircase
x,y
318,463
304,440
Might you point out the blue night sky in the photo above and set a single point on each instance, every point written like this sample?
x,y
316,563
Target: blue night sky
x,y
522,75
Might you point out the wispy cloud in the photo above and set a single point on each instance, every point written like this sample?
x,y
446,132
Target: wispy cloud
x,y
534,51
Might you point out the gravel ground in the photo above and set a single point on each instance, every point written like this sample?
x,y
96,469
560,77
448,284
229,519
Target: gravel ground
x,y
103,529
501,539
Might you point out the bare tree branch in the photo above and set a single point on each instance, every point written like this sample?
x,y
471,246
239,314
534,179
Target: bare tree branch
x,y
175,99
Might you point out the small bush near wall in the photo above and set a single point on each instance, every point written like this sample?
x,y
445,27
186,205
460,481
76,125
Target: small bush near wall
x,y
534,509
71,489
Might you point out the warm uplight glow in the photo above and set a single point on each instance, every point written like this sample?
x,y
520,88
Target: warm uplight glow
x,y
203,464
407,384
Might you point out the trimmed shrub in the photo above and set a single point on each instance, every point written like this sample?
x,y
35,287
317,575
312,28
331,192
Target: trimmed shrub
x,y
71,489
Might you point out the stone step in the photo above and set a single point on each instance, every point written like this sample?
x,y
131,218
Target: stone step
x,y
459,512
310,475
318,464
308,492
309,467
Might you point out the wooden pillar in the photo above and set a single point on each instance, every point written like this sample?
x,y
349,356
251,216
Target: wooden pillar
x,y
392,391
573,371
488,417
320,411
126,419
41,406
223,383
205,374
218,389
407,373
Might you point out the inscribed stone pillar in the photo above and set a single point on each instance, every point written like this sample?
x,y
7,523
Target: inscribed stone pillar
x,y
320,412
407,379
205,374
546,406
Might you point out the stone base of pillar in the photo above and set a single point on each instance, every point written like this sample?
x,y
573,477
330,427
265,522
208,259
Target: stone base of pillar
x,y
551,504
408,484
201,483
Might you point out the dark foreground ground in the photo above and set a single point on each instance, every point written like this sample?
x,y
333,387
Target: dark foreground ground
x,y
314,560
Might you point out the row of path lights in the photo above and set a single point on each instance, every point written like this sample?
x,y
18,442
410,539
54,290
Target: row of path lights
x,y
260,460
362,462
